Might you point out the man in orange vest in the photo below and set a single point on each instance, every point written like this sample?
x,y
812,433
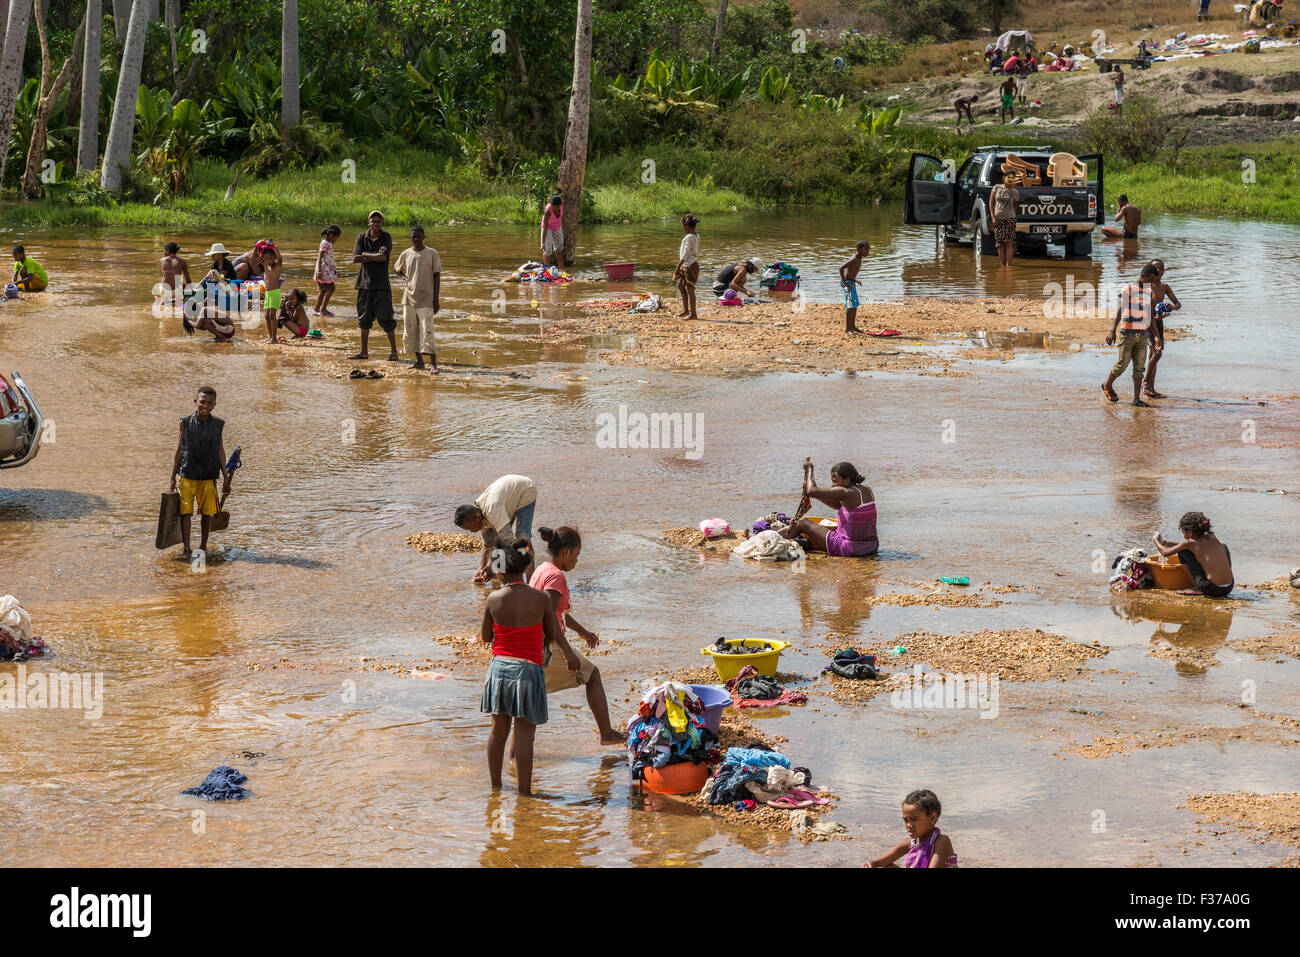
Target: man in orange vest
x,y
1133,319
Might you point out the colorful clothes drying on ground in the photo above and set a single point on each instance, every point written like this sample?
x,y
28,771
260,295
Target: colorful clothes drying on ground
x,y
749,689
538,272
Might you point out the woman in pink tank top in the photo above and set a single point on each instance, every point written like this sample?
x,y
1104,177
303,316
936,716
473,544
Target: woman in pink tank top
x,y
855,535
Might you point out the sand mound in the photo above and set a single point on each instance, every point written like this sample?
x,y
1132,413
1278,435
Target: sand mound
x,y
444,544
1270,646
1263,817
694,538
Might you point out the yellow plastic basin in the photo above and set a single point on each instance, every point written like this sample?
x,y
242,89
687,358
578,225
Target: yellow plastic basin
x,y
728,666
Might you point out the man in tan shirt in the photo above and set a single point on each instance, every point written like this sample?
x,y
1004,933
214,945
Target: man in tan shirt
x,y
421,269
509,501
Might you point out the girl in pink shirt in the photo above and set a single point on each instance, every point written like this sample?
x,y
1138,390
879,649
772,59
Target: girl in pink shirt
x,y
564,545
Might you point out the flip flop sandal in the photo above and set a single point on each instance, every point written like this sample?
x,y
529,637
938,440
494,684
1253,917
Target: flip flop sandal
x,y
374,374
786,803
959,580
1139,404
807,797
356,374
1110,393
1153,394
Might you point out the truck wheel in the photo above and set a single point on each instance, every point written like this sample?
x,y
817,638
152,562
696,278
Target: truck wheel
x,y
988,247
1081,245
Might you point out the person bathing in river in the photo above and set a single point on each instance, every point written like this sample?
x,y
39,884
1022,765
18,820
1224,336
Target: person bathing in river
x,y
509,501
175,271
200,458
1132,217
925,845
272,265
565,545
1157,331
293,315
849,283
1206,558
518,622
855,536
733,275
29,275
687,273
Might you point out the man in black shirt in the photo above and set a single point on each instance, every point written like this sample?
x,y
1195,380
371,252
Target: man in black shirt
x,y
374,295
200,458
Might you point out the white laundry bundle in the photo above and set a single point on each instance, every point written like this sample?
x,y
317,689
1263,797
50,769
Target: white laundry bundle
x,y
769,546
14,621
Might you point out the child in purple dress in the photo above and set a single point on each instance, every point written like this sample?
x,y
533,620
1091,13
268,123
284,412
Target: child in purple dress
x,y
926,845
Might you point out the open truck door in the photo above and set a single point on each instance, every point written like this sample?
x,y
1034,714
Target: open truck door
x,y
1096,179
931,198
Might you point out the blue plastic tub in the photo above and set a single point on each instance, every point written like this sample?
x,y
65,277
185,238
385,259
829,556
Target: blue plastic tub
x,y
714,698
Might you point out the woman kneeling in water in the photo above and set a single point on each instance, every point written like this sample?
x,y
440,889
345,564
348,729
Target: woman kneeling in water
x,y
855,535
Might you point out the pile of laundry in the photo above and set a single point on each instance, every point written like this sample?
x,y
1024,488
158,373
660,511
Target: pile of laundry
x,y
1131,571
538,272
221,784
850,663
756,775
769,546
776,521
647,302
17,643
781,276
733,298
720,647
669,729
749,689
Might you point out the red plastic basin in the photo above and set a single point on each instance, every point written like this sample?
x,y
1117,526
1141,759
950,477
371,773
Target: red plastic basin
x,y
620,271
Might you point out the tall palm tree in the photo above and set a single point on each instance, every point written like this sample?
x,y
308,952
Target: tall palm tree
x,y
290,109
117,151
88,135
11,71
573,164
49,95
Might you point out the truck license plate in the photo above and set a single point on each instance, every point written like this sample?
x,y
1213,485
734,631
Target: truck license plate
x,y
1047,230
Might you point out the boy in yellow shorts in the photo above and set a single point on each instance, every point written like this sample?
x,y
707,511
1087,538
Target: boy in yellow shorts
x,y
200,459
29,275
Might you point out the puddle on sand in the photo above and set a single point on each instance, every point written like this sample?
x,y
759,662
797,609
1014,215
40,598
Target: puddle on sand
x,y
1020,339
1043,476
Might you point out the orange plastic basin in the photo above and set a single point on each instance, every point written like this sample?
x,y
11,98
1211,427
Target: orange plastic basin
x,y
684,778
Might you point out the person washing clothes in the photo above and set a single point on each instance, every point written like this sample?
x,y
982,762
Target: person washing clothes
x,y
855,535
553,232
733,276
565,545
518,622
1206,558
926,845
509,501
29,275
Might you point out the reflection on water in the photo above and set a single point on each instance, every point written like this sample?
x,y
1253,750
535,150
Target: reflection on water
x,y
275,646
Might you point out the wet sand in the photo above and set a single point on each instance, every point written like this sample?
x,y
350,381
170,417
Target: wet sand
x,y
302,639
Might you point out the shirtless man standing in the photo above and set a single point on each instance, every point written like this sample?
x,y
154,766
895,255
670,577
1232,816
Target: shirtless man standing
x,y
962,105
849,283
1132,217
1160,292
272,265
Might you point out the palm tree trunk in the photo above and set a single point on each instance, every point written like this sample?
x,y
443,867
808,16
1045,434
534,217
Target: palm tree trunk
x,y
88,134
117,151
719,27
121,14
173,17
11,72
290,108
573,164
49,95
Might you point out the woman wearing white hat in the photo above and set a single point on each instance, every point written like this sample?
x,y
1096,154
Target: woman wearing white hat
x,y
221,267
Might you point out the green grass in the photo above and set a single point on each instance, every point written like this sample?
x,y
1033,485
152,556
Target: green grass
x,y
1209,180
407,185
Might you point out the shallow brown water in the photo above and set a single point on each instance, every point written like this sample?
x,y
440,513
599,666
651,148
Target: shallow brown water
x,y
314,574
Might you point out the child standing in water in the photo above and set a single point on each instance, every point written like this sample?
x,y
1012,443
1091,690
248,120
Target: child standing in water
x,y
849,282
565,545
687,273
1206,558
327,270
926,845
1157,331
517,621
553,232
272,264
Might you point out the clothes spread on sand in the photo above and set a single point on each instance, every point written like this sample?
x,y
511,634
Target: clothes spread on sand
x,y
720,647
538,272
775,521
669,729
769,546
221,784
749,689
16,638
849,663
1131,571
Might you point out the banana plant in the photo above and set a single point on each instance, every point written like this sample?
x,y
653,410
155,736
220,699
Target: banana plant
x,y
773,87
878,123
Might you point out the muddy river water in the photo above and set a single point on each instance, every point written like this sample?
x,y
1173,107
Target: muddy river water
x,y
287,645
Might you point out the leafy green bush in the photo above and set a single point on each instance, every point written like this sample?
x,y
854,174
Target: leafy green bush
x,y
1146,129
